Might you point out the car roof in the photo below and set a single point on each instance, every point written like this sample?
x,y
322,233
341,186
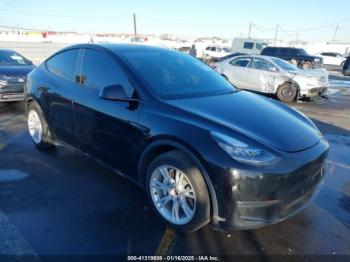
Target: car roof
x,y
114,48
256,56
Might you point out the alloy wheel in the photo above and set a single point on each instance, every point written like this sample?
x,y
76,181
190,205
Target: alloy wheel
x,y
173,194
35,126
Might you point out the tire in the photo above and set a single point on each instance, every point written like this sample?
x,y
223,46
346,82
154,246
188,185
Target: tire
x,y
37,126
294,62
306,65
286,92
191,189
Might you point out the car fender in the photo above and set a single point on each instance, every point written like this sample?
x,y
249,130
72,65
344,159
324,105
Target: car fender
x,y
179,146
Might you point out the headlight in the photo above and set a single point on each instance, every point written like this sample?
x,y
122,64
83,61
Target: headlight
x,y
317,60
243,152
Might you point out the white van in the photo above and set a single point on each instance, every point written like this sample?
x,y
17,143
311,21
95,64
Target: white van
x,y
248,45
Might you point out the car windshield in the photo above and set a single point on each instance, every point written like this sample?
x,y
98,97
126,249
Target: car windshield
x,y
303,52
173,75
260,46
284,65
11,58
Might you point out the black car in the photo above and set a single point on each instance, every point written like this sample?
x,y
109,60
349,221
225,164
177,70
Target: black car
x,y
297,56
220,59
346,67
202,150
13,71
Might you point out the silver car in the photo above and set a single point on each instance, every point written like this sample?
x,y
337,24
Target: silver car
x,y
273,76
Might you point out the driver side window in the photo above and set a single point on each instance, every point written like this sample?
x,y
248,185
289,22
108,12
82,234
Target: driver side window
x,y
262,64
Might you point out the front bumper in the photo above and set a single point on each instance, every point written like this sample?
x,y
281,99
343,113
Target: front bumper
x,y
14,92
255,199
315,91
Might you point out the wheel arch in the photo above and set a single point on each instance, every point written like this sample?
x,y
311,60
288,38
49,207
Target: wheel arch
x,y
161,146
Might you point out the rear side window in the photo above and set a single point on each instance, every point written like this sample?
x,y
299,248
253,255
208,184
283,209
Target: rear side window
x,y
241,62
64,64
100,70
248,45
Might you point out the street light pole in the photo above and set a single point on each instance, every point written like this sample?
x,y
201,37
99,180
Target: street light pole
x,y
335,32
250,29
277,27
135,31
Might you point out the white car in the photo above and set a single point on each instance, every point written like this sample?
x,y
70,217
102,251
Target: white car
x,y
332,58
273,76
216,52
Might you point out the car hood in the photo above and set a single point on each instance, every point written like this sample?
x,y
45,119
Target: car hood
x,y
16,70
262,119
318,73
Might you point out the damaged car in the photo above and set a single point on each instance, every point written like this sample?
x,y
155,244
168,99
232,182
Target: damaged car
x,y
273,75
13,72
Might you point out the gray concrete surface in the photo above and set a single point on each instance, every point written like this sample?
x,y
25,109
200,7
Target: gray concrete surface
x,y
64,203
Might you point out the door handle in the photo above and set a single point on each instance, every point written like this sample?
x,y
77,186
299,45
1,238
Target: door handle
x,y
80,79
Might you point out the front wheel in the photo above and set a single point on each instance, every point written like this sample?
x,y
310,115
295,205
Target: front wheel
x,y
286,92
177,192
306,65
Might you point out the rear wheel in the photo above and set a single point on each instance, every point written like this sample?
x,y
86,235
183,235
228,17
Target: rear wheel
x,y
38,128
286,92
177,192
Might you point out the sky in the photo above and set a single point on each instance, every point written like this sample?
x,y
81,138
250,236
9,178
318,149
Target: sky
x,y
223,18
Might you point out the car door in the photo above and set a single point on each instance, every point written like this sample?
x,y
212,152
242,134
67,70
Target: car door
x,y
237,73
262,75
106,129
59,92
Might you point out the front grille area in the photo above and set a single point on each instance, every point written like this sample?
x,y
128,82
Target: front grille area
x,y
276,196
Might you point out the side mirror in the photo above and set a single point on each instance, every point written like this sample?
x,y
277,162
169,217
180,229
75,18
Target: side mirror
x,y
274,69
113,92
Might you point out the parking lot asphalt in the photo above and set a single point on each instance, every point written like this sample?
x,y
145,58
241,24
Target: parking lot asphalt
x,y
64,203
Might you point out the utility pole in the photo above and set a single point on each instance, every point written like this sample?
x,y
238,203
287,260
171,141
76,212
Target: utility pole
x,y
277,27
335,32
250,29
135,31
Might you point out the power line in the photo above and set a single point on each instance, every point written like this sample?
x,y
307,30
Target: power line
x,y
319,27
